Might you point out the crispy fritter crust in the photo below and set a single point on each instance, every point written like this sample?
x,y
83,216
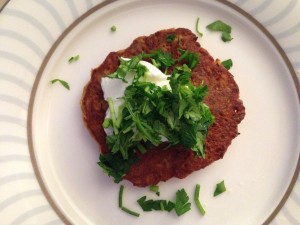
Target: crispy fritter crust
x,y
223,99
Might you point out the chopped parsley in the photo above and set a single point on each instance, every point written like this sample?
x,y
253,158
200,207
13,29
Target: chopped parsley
x,y
121,206
222,27
171,38
227,63
155,189
197,28
114,165
157,205
220,188
113,28
150,112
197,201
190,58
74,59
62,82
182,204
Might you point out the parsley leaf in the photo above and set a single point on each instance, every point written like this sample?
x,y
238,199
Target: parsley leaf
x,y
191,58
127,66
226,37
220,26
62,82
114,165
170,38
220,188
157,205
160,59
74,59
182,204
227,63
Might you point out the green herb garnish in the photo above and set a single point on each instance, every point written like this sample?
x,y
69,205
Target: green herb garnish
x,y
197,201
227,63
226,37
171,37
220,26
157,205
155,189
114,165
113,28
197,28
106,123
62,82
129,211
74,59
150,112
220,188
121,206
182,204
160,59
121,190
190,58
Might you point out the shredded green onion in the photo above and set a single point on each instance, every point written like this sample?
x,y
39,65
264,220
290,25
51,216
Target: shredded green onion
x,y
121,196
197,29
125,209
197,201
129,211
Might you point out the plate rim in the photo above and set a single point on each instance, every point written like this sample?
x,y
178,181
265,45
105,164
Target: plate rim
x,y
89,12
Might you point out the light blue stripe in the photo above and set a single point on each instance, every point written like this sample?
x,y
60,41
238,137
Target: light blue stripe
x,y
15,101
288,32
261,7
18,197
292,49
13,139
23,39
291,218
31,213
274,222
281,15
14,120
55,222
55,15
31,20
240,2
16,177
295,197
296,64
17,81
73,9
14,158
22,61
89,4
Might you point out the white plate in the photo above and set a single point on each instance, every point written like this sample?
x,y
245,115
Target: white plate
x,y
259,166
